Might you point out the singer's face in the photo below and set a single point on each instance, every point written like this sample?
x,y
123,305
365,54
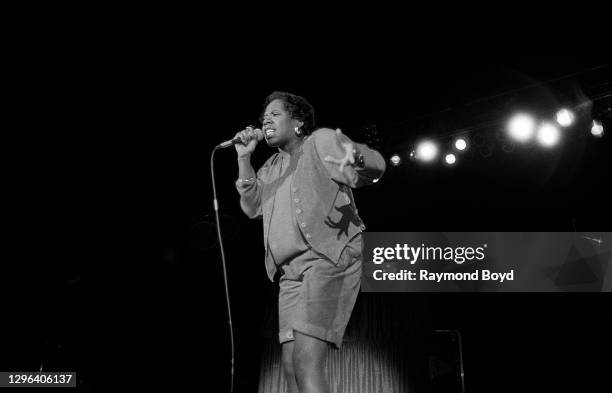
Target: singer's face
x,y
278,126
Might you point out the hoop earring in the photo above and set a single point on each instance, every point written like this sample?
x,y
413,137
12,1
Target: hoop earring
x,y
297,131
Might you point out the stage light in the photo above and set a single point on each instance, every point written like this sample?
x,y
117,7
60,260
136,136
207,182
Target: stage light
x,y
548,135
460,144
426,151
597,129
521,127
395,160
450,159
565,117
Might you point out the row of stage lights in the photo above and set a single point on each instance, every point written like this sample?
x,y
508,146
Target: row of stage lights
x,y
521,128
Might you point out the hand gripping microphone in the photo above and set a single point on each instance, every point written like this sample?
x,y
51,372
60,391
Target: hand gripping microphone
x,y
258,134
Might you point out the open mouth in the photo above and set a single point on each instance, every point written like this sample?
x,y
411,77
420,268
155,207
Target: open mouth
x,y
269,132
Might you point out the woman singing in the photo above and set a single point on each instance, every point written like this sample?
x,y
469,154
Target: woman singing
x,y
312,231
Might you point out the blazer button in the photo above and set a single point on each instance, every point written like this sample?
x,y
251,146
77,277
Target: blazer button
x,y
303,225
298,211
308,236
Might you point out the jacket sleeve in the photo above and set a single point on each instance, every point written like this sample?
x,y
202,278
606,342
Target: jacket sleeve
x,y
327,144
251,193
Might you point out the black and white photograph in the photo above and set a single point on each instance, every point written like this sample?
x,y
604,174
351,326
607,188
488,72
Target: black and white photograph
x,y
191,215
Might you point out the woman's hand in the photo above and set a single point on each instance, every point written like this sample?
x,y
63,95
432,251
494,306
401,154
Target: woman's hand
x,y
249,140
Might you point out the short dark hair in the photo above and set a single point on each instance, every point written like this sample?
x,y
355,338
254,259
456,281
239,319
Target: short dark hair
x,y
298,107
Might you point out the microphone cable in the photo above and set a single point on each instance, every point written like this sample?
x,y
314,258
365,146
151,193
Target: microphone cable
x,y
227,298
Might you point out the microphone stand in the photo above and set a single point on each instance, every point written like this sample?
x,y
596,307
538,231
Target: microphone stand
x,y
227,298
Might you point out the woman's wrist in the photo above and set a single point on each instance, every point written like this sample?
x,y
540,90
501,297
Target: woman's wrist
x,y
359,160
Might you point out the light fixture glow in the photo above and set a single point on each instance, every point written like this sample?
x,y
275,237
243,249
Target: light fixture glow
x,y
521,127
426,151
597,129
450,159
460,144
565,117
548,135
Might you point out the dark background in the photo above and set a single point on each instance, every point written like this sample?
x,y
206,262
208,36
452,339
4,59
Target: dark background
x,y
115,271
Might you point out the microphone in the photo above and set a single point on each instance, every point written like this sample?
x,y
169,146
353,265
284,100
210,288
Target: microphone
x,y
258,134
